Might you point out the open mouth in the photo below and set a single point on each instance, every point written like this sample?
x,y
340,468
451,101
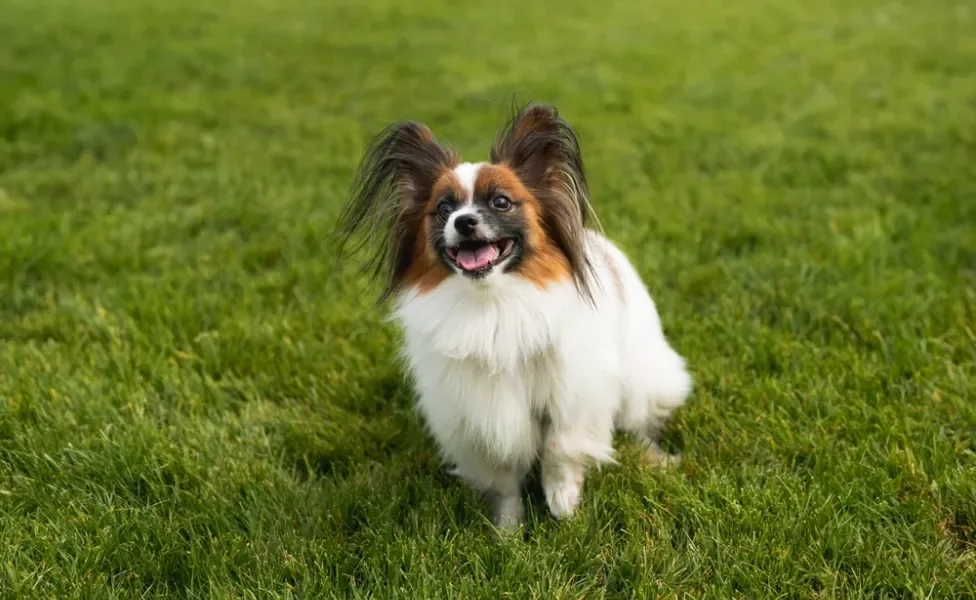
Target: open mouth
x,y
478,257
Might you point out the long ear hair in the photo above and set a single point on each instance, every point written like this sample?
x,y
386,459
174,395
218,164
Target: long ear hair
x,y
391,189
543,150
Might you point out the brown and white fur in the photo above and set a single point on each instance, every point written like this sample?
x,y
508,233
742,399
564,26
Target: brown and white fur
x,y
529,336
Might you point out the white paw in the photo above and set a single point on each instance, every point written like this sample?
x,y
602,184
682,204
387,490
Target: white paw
x,y
563,497
509,513
655,456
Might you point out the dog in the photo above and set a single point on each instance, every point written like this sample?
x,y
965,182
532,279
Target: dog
x,y
529,336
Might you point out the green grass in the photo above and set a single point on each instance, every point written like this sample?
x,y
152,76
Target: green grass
x,y
196,401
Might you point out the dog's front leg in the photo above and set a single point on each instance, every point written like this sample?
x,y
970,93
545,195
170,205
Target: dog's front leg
x,y
566,453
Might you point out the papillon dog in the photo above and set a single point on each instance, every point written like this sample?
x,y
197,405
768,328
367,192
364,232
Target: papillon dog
x,y
529,336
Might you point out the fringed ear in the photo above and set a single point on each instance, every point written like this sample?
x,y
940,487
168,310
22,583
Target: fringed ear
x,y
543,150
395,179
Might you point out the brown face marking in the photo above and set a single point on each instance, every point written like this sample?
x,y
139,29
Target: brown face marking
x,y
426,270
542,261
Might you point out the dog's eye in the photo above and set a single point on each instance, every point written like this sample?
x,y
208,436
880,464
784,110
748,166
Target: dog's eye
x,y
444,209
501,203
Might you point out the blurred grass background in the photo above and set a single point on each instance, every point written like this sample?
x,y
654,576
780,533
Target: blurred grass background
x,y
196,401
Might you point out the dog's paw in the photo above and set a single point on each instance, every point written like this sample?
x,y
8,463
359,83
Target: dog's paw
x,y
655,456
563,497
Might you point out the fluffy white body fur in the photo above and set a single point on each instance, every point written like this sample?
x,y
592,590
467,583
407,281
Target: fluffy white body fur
x,y
508,373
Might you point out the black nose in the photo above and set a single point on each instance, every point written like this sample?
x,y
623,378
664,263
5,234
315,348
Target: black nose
x,y
465,224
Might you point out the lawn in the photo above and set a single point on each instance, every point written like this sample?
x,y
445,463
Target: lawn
x,y
198,401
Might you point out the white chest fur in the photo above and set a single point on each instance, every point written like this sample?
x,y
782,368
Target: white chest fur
x,y
499,324
483,358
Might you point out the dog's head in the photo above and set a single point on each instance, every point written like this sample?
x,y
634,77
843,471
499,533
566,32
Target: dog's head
x,y
433,216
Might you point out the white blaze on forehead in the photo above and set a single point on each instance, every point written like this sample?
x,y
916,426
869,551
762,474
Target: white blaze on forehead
x,y
467,174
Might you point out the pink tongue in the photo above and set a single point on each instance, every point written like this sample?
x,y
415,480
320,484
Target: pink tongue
x,y
473,260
